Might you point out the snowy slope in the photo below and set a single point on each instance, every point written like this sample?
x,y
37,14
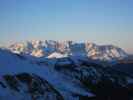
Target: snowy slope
x,y
11,64
25,77
68,48
56,55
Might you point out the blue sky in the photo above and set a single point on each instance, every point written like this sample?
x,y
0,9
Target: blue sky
x,y
99,21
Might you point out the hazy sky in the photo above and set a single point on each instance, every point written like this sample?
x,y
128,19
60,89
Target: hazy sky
x,y
99,21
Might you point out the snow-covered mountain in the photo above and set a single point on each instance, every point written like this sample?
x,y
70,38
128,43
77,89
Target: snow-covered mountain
x,y
59,49
69,78
24,79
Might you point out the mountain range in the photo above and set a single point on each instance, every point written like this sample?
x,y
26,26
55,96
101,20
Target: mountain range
x,y
52,70
60,49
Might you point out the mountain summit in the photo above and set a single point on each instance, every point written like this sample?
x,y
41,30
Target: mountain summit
x,y
59,49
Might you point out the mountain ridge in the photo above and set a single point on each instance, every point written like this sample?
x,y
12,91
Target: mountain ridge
x,y
68,48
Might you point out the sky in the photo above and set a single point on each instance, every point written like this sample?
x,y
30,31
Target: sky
x,y
98,21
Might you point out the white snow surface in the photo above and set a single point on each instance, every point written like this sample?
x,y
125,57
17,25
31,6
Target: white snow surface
x,y
56,55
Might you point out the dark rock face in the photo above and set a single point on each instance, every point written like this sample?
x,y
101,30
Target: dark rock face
x,y
106,83
126,67
37,87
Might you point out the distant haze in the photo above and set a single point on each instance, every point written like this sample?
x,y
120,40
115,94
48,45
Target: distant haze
x,y
98,21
